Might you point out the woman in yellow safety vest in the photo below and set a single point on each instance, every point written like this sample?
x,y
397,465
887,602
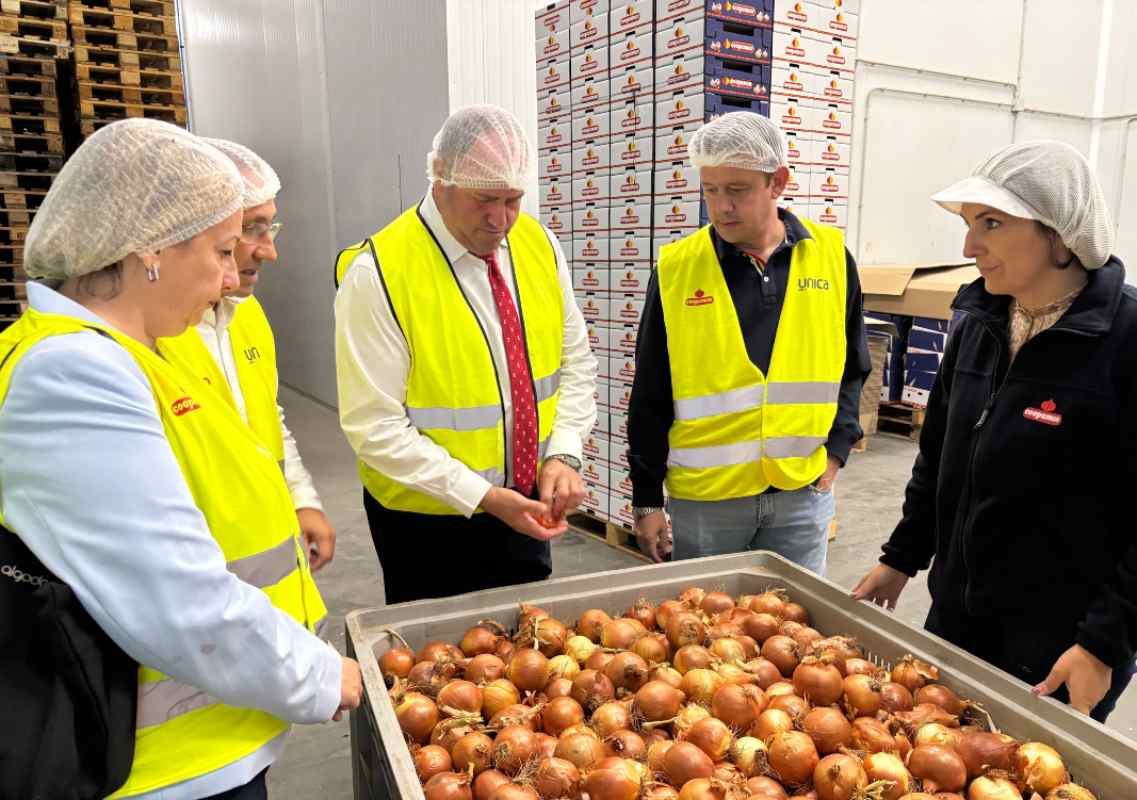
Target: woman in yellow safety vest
x,y
142,490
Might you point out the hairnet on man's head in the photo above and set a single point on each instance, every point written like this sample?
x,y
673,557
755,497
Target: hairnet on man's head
x,y
480,147
739,139
1047,181
135,186
261,181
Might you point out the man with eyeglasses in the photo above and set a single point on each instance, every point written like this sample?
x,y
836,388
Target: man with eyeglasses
x,y
233,348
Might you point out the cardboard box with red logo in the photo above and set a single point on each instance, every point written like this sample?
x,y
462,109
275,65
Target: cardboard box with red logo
x,y
630,218
837,18
589,62
559,222
680,36
580,9
830,183
553,104
632,117
674,110
663,237
590,158
555,193
631,15
788,114
801,14
799,149
629,278
557,135
622,340
677,182
595,501
631,184
589,219
554,76
619,479
829,152
626,310
798,184
590,278
796,205
677,215
552,47
626,249
591,29
681,74
594,472
831,121
794,81
621,395
591,127
591,189
623,369
620,510
593,307
554,164
589,96
596,446
632,83
755,12
591,249
598,340
631,151
836,53
618,425
552,18
671,145
834,213
633,48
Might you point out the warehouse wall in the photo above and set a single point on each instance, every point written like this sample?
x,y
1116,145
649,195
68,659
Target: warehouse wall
x,y
340,98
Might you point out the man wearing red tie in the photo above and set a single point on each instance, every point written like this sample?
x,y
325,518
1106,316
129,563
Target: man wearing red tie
x,y
465,376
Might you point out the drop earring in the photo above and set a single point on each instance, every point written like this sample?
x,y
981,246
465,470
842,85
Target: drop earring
x,y
152,273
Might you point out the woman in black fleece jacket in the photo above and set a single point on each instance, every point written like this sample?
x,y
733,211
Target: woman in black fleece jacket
x,y
1020,496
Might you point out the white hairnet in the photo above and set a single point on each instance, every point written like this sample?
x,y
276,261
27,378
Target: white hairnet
x,y
261,181
480,147
740,139
1047,181
135,186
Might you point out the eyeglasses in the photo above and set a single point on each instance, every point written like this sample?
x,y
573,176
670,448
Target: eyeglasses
x,y
255,232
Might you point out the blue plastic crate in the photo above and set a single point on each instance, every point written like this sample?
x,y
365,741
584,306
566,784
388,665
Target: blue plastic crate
x,y
737,79
730,40
715,105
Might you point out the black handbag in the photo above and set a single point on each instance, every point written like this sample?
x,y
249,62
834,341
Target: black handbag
x,y
68,693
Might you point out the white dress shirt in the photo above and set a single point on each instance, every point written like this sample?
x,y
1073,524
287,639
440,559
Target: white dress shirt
x,y
214,331
90,482
373,362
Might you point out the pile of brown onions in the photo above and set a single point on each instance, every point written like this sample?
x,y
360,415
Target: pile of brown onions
x,y
699,697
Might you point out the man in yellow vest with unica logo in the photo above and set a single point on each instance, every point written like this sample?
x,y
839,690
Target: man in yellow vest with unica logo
x,y
233,348
749,365
465,376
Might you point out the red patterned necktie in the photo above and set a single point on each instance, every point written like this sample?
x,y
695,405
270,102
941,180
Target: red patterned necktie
x,y
520,382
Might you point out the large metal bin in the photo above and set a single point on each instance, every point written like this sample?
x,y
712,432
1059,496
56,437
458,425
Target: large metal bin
x,y
1097,757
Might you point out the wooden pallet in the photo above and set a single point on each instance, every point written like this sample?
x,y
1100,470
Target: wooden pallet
x,y
122,40
28,123
115,20
12,253
30,162
47,30
28,85
15,216
900,419
31,47
613,534
27,66
41,9
89,126
13,273
29,105
153,8
136,95
132,59
13,235
110,110
28,200
129,76
25,180
31,142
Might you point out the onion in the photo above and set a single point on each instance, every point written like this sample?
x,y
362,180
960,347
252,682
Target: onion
x,y
738,706
514,791
546,745
728,649
749,755
668,675
620,634
733,673
556,778
592,689
806,638
779,688
528,670
942,696
716,603
861,666
591,623
461,696
839,777
579,648
750,647
611,717
700,685
796,612
430,676
447,732
788,628
560,713
448,786
527,613
981,751
712,736
431,760
727,773
939,767
504,650
1040,767
655,734
659,791
546,634
703,789
889,767
417,715
828,729
685,628
902,745
474,750
625,744
692,596
796,707
783,652
771,602
793,757
563,666
665,610
817,681
1070,791
935,733
526,716
610,784
871,736
764,788
862,695
923,714
437,650
485,668
489,782
583,750
657,701
479,639
598,660
993,786
684,762
498,695
643,612
395,662
770,722
761,626
894,697
513,746
580,727
627,671
655,753
653,648
692,656
764,670
912,673
687,717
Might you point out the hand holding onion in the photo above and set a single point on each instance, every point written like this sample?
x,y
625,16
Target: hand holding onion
x,y
522,514
561,488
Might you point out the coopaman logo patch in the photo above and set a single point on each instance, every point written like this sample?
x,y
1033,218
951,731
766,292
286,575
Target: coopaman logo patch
x,y
183,406
1046,413
699,298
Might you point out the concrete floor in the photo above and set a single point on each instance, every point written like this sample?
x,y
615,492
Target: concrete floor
x,y
317,760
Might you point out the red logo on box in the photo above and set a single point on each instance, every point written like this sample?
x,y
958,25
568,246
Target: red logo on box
x,y
828,216
833,122
700,298
797,13
836,57
679,39
795,48
831,153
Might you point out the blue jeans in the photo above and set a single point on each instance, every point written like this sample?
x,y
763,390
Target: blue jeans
x,y
792,524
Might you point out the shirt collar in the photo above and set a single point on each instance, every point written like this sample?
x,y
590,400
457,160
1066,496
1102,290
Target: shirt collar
x,y
795,232
221,315
48,301
451,247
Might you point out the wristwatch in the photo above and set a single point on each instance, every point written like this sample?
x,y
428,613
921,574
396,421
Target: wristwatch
x,y
639,512
572,462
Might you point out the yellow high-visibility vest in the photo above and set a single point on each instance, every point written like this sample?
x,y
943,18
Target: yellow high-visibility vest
x,y
453,394
254,353
184,733
736,431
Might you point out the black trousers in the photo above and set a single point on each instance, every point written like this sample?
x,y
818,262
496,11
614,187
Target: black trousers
x,y
1028,655
428,555
256,789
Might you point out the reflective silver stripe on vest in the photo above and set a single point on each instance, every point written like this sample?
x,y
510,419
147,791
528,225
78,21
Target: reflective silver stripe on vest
x,y
267,568
473,418
710,405
542,447
163,700
793,446
722,455
783,393
322,626
493,475
546,387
